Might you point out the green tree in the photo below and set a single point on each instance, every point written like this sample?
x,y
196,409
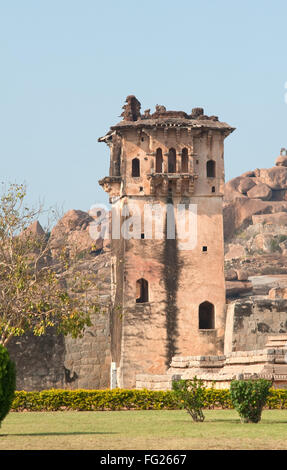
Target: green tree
x,y
33,291
249,398
7,382
190,395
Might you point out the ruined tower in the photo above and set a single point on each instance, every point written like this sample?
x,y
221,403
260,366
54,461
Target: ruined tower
x,y
166,168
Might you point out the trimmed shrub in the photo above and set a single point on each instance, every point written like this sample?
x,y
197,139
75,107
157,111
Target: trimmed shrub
x,y
277,399
7,382
190,395
249,398
217,398
93,400
121,399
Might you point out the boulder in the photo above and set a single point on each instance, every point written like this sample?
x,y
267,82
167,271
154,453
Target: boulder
x,y
36,238
255,193
235,250
242,275
248,174
236,288
281,161
35,229
263,242
231,275
260,191
231,191
283,247
275,177
239,213
279,194
278,293
72,233
245,185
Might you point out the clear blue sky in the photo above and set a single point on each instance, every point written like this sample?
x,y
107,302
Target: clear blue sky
x,y
67,67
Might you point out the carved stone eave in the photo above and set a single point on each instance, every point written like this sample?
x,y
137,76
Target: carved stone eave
x,y
111,184
151,126
107,138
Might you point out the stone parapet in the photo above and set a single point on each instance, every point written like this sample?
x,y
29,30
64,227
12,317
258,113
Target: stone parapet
x,y
197,361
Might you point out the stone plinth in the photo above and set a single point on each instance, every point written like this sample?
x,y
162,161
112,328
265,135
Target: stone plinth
x,y
218,371
156,382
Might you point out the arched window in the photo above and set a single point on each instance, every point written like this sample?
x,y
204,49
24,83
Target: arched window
x,y
135,167
184,160
210,169
206,316
172,161
141,291
158,161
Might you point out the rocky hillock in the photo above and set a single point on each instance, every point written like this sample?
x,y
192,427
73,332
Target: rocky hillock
x,y
255,228
259,192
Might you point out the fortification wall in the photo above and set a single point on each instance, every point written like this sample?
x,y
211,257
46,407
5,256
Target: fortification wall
x,y
53,361
39,361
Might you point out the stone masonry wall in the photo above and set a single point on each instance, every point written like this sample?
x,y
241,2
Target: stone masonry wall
x,y
250,322
39,361
53,361
87,360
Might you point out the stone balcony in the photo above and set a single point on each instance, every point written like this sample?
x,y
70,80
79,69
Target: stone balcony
x,y
178,183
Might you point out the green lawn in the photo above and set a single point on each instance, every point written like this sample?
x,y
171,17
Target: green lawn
x,y
145,430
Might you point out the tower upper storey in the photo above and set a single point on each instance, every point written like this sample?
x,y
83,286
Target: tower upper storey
x,y
165,152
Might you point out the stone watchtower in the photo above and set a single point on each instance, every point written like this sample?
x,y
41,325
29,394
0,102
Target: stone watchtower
x,y
168,296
